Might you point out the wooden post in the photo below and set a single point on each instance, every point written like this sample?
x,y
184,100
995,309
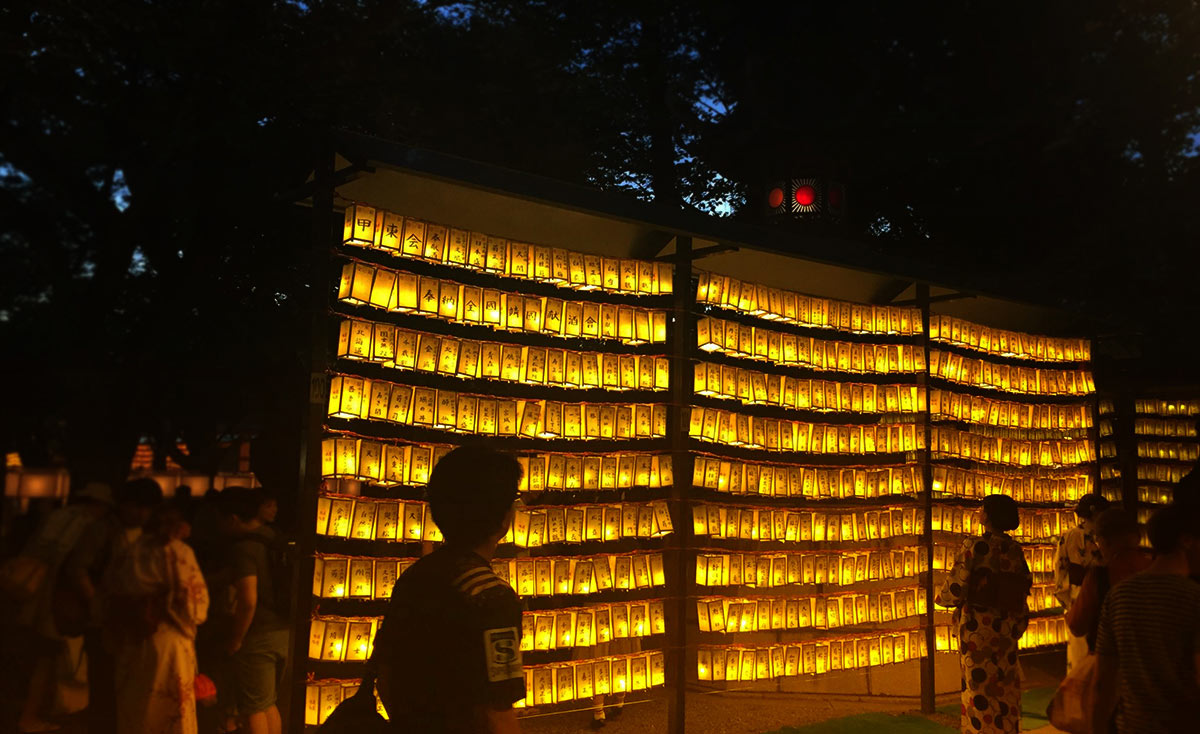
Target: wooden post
x,y
680,660
929,662
312,429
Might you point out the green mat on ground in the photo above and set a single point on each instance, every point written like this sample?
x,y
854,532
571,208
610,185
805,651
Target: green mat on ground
x,y
873,723
1033,707
1033,715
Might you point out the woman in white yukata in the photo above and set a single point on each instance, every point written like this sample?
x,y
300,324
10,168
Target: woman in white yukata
x,y
158,599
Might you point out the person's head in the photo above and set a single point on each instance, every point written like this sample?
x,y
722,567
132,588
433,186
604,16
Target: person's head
x,y
136,500
239,510
471,494
1176,530
1090,505
1000,513
1116,530
268,506
167,523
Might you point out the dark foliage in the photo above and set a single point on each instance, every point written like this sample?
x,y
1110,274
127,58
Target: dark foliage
x,y
154,276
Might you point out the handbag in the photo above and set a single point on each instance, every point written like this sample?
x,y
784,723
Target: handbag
x,y
205,690
1071,708
357,714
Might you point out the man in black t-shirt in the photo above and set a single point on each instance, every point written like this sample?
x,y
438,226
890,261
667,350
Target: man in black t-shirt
x,y
448,657
258,638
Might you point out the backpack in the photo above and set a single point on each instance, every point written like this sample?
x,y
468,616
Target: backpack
x,y
281,566
357,714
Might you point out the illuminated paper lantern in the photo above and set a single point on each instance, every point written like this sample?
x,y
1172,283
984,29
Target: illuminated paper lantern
x,y
359,225
347,397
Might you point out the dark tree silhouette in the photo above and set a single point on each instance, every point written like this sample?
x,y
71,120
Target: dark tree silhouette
x,y
154,275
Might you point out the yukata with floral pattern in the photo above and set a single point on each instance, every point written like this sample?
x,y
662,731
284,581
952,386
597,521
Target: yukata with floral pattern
x,y
156,673
991,686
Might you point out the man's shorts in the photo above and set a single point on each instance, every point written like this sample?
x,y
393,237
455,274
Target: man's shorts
x,y
255,670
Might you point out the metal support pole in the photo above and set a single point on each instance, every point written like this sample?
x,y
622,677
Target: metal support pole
x,y
929,662
680,659
312,429
1125,440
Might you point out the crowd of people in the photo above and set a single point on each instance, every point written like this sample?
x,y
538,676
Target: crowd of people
x,y
170,603
1133,616
130,609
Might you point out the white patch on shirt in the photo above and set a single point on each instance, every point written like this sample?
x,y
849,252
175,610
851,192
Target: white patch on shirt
x,y
503,650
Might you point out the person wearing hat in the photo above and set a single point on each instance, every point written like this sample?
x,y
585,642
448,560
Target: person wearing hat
x,y
1077,552
40,615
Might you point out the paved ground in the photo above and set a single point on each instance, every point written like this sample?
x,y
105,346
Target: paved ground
x,y
795,713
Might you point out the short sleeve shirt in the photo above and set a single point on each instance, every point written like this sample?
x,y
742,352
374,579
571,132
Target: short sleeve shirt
x,y
451,644
1150,623
250,556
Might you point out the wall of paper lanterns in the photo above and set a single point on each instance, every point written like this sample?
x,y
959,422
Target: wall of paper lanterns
x,y
1157,438
805,428
559,356
1012,414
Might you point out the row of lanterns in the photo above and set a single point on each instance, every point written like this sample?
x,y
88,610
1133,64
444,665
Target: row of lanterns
x,y
560,471
759,388
1009,378
1163,407
740,663
379,462
356,577
1002,343
380,400
753,342
401,292
535,577
581,680
789,480
831,611
1172,473
1164,427
1172,450
774,434
538,526
473,359
392,463
817,657
1040,558
777,304
973,484
951,442
947,405
321,698
372,227
763,524
341,639
563,629
769,570
544,684
362,518
1044,632
363,577
1156,495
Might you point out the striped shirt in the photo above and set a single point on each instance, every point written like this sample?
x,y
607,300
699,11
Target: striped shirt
x,y
1151,624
